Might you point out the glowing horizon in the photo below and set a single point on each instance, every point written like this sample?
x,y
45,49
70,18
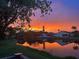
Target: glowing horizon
x,y
65,15
52,27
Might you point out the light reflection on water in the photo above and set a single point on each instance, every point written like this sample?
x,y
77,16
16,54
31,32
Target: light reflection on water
x,y
56,49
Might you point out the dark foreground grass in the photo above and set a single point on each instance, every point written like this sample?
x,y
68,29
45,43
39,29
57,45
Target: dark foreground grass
x,y
9,47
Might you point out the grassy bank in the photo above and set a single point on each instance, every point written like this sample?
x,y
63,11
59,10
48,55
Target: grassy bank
x,y
8,47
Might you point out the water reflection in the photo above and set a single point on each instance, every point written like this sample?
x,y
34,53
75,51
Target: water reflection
x,y
56,48
59,45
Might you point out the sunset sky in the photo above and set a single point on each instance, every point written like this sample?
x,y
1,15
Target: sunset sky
x,y
65,14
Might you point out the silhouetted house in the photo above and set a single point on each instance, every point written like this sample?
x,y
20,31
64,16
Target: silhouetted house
x,y
75,33
75,36
50,34
43,36
62,34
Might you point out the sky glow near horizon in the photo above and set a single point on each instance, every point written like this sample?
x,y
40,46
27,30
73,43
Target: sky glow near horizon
x,y
65,14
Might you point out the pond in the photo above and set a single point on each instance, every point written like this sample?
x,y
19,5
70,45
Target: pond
x,y
56,48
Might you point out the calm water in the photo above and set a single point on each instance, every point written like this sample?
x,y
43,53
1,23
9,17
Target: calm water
x,y
56,49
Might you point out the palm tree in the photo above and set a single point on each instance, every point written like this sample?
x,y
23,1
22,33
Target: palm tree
x,y
74,28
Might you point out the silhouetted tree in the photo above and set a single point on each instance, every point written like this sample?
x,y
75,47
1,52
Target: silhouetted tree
x,y
75,32
74,28
10,10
